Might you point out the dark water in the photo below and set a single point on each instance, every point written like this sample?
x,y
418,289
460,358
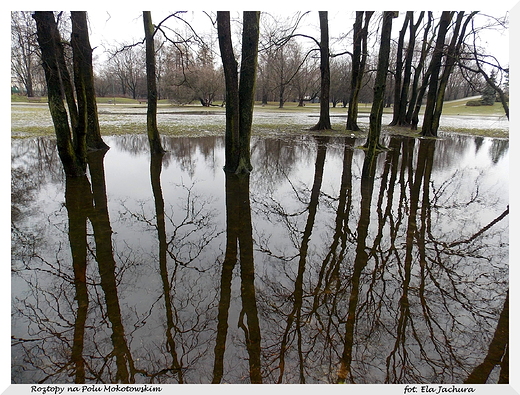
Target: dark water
x,y
169,271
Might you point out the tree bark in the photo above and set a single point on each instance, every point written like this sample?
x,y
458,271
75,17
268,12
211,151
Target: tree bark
x,y
151,84
372,144
84,82
239,97
435,67
49,40
324,121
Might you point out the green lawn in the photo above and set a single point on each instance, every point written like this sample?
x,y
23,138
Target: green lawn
x,y
458,107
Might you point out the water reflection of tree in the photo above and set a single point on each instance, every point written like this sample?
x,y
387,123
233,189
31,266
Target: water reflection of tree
x,y
385,289
498,149
185,235
56,352
498,352
239,248
400,298
125,368
155,176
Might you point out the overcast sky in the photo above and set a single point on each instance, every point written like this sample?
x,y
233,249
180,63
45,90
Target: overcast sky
x,y
109,28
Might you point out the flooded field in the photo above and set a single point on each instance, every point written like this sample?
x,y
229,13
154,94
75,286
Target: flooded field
x,y
123,119
167,270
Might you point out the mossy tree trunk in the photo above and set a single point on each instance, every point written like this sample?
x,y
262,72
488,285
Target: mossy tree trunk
x,y
83,132
324,121
239,94
49,42
151,83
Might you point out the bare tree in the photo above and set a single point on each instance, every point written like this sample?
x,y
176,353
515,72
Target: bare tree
x,y
437,87
239,94
24,51
372,144
359,58
324,121
151,82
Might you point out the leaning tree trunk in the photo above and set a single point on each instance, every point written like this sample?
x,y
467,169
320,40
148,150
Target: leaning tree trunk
x,y
414,105
151,114
83,63
372,144
324,121
48,40
435,67
451,58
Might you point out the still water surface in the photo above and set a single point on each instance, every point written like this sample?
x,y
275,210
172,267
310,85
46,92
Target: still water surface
x,y
167,270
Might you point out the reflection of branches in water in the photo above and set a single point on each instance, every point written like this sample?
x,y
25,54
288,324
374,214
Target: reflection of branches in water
x,y
429,289
408,274
191,226
186,231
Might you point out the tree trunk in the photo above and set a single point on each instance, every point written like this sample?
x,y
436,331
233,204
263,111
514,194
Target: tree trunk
x,y
435,67
407,72
239,100
78,59
324,121
376,113
358,66
436,93
398,77
230,66
247,84
151,84
451,58
415,102
84,83
49,39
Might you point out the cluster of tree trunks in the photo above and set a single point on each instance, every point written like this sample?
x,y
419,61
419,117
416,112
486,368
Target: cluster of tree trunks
x,y
408,95
372,144
438,81
84,124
